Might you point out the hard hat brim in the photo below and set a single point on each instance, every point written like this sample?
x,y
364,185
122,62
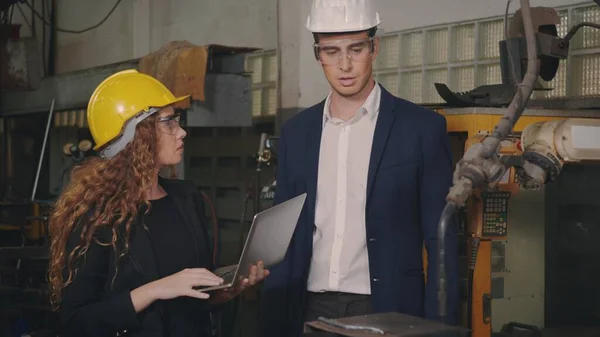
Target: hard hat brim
x,y
347,30
178,99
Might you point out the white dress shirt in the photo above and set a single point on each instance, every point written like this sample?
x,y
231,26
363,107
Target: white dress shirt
x,y
340,259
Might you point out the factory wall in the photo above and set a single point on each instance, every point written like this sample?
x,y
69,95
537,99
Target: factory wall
x,y
138,27
396,16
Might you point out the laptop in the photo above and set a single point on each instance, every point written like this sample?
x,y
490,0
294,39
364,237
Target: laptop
x,y
268,240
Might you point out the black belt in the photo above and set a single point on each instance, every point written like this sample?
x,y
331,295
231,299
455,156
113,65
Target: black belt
x,y
337,296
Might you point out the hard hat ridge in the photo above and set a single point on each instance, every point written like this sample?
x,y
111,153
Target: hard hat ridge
x,y
338,16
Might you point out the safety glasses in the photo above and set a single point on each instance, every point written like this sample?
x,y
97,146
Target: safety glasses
x,y
169,124
332,52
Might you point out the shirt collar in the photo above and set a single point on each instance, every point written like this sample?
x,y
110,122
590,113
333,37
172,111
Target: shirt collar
x,y
369,108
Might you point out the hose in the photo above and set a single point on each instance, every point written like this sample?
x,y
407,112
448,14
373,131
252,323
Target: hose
x,y
525,88
447,215
475,241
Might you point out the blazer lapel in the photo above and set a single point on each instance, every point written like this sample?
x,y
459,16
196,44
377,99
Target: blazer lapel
x,y
313,145
380,137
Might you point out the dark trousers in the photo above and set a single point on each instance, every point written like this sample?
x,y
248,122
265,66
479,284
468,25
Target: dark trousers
x,y
336,305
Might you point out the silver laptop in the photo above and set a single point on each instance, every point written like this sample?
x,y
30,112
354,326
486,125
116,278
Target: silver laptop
x,y
268,240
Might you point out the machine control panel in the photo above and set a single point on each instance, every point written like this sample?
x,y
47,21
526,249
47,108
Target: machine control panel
x,y
495,213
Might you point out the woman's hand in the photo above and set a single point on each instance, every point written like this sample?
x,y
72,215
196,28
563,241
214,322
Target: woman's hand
x,y
176,285
183,283
257,274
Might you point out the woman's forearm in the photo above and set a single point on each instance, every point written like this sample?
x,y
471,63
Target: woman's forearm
x,y
144,296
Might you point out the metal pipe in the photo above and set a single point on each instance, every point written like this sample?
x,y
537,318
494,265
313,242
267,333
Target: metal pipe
x,y
524,90
37,175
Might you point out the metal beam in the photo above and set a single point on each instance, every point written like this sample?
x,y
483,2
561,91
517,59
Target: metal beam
x,y
71,90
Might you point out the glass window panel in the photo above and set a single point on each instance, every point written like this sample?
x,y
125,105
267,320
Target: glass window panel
x,y
256,102
586,72
271,67
389,81
388,52
586,37
432,77
271,100
412,49
463,42
490,34
256,68
489,74
463,79
436,46
563,26
410,87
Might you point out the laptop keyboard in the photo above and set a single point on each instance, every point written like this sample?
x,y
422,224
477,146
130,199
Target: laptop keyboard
x,y
226,273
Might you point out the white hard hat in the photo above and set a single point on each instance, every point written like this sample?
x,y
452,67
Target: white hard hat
x,y
333,16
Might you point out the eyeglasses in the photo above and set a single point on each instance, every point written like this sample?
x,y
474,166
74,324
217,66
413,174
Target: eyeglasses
x,y
171,123
331,53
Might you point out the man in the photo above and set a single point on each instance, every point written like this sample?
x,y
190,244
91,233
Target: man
x,y
376,169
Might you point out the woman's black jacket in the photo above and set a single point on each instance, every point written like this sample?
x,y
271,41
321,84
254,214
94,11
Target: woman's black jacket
x,y
92,305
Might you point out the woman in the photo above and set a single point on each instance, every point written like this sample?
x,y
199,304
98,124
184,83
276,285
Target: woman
x,y
128,247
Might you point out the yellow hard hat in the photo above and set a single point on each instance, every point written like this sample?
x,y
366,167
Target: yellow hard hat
x,y
119,103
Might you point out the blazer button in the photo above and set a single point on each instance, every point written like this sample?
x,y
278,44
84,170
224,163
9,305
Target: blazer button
x,y
375,280
371,240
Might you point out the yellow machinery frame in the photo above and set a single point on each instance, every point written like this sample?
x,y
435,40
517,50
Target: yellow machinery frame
x,y
476,123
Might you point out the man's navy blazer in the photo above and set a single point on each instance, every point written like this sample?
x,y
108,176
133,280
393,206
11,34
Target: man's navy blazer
x,y
410,174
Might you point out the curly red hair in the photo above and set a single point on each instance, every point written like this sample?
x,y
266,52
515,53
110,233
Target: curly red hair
x,y
101,193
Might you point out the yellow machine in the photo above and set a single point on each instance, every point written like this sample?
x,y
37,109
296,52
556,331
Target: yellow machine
x,y
508,149
545,133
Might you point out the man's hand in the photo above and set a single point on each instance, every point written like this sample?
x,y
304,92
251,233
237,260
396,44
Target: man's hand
x,y
257,274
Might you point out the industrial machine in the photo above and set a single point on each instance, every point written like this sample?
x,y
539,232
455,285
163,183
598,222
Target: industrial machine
x,y
266,156
517,152
488,258
513,59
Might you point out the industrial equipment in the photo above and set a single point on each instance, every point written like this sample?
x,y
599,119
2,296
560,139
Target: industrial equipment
x,y
486,175
78,152
549,49
491,267
266,156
